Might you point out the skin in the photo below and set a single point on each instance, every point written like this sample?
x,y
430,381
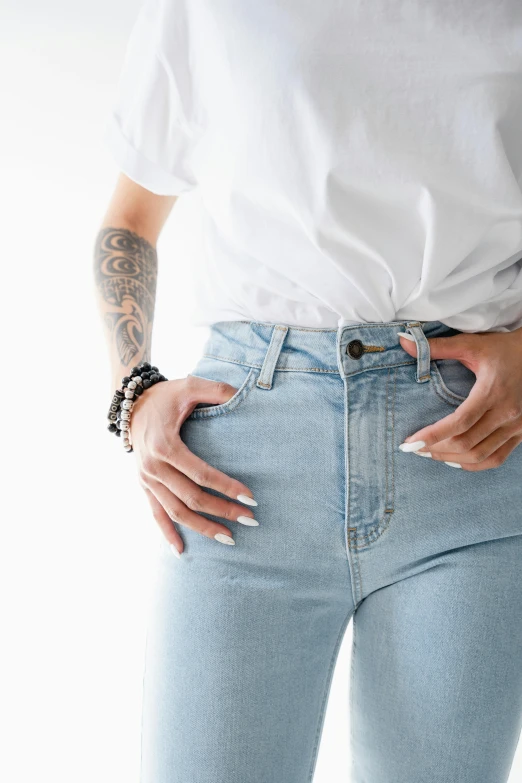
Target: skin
x,y
483,431
125,268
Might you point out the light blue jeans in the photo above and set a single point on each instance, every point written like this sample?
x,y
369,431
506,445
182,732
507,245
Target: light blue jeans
x,y
425,558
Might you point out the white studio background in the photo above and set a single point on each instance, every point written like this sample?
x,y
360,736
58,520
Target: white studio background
x,y
78,538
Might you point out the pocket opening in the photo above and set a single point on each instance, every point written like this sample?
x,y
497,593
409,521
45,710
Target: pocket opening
x,y
243,388
447,371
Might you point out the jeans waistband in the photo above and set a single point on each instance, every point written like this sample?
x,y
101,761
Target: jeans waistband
x,y
346,350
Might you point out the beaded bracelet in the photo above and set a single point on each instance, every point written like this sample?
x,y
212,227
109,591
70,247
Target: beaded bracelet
x,y
141,377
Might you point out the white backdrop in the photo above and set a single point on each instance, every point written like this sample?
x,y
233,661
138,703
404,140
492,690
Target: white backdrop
x,y
76,555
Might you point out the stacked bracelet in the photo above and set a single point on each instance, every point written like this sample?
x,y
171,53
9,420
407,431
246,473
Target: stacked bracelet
x,y
133,385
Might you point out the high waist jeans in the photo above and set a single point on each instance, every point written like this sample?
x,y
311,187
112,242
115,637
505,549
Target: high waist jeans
x,y
426,559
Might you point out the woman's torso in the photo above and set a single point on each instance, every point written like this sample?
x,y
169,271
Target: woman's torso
x,y
357,161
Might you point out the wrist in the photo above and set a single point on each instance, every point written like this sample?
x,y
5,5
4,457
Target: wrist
x,y
127,392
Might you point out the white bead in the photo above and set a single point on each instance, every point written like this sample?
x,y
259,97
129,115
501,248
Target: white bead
x,y
125,416
124,425
129,394
125,441
128,448
137,379
126,405
131,385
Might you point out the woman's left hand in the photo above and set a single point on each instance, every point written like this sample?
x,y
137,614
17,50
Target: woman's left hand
x,y
487,426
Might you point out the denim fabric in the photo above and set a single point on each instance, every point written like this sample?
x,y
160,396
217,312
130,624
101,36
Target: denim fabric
x,y
426,559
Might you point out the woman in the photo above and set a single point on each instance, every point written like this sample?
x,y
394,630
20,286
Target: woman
x,y
360,173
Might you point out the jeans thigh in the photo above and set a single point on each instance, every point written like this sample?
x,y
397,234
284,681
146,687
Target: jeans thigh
x,y
436,691
437,684
242,639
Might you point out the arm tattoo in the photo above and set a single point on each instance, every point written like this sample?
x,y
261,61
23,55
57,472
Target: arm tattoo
x,y
126,268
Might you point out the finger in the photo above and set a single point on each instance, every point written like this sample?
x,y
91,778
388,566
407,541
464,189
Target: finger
x,y
205,475
197,499
478,453
165,524
489,428
462,418
178,512
496,459
212,392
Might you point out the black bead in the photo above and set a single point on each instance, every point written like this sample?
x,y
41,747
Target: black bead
x,y
154,368
134,371
145,374
147,383
112,427
163,378
118,433
138,390
154,377
125,380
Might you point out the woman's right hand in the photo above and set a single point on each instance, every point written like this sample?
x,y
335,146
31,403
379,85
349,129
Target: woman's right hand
x,y
172,476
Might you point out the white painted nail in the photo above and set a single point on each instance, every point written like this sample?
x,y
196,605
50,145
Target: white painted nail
x,y
453,464
413,446
176,552
246,499
423,453
248,521
224,538
407,336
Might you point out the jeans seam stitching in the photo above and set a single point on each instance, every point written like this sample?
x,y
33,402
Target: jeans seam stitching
x,y
355,565
332,371
276,369
364,539
220,410
229,359
375,532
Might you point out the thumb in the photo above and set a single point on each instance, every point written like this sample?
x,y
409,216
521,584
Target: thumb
x,y
452,347
213,392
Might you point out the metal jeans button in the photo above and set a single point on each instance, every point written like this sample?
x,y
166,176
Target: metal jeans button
x,y
355,348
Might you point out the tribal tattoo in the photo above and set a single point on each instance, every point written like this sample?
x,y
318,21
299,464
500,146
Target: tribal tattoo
x,y
126,267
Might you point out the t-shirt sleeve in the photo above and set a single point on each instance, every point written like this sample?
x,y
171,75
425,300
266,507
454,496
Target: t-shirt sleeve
x,y
149,131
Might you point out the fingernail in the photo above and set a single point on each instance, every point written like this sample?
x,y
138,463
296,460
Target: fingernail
x,y
224,538
246,499
414,446
407,336
176,552
248,521
423,453
453,464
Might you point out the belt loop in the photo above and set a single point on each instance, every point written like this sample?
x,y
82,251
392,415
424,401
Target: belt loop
x,y
279,332
423,351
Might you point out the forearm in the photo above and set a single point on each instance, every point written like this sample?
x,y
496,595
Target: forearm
x,y
125,272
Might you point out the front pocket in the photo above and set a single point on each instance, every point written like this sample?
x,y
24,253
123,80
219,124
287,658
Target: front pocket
x,y
242,376
452,380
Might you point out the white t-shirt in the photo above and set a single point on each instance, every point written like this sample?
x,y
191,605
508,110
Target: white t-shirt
x,y
356,161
